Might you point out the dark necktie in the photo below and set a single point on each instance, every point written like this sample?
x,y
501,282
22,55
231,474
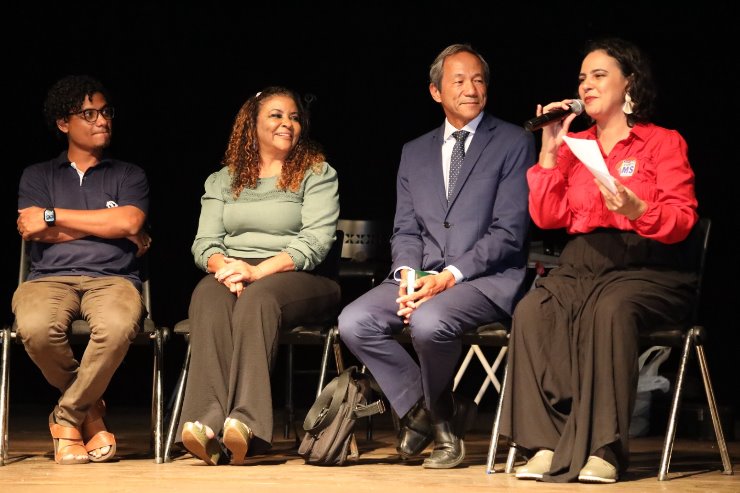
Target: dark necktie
x,y
458,154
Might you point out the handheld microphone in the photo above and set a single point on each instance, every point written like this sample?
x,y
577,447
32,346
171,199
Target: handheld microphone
x,y
553,116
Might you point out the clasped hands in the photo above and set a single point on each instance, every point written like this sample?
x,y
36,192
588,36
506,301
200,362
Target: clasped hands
x,y
235,274
425,288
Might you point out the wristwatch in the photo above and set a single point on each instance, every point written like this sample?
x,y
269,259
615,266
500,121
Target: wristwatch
x,y
50,217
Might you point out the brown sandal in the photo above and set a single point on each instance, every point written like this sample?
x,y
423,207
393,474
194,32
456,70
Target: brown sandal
x,y
71,453
96,435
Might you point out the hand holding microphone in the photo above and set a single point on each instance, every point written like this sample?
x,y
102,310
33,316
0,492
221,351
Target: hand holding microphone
x,y
552,116
556,115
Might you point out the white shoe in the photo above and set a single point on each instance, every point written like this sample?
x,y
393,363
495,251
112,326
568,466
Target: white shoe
x,y
535,467
597,470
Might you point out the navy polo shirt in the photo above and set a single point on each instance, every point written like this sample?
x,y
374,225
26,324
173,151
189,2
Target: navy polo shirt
x,y
111,183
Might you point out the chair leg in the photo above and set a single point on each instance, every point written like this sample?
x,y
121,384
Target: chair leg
x,y
4,394
722,445
463,367
176,407
490,462
670,434
157,397
289,411
510,459
331,336
370,427
490,370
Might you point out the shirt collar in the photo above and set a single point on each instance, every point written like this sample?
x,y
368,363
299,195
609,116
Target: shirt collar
x,y
63,160
639,131
470,127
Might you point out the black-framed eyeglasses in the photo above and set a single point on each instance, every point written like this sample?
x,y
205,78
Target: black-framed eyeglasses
x,y
91,114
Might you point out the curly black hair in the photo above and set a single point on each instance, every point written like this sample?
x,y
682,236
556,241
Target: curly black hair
x,y
67,95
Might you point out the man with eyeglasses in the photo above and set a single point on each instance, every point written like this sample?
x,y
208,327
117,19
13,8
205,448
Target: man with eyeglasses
x,y
82,215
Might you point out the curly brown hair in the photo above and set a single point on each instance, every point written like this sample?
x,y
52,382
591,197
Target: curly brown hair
x,y
242,153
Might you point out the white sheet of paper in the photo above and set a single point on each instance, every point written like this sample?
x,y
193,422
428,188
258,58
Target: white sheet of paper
x,y
588,152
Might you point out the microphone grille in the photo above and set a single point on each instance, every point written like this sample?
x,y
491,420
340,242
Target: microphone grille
x,y
577,106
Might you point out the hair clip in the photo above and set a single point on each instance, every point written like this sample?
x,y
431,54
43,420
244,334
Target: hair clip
x,y
258,94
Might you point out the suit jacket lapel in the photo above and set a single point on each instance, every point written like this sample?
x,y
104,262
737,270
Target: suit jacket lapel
x,y
437,171
481,138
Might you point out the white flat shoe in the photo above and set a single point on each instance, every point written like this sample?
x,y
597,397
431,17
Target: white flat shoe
x,y
535,467
597,470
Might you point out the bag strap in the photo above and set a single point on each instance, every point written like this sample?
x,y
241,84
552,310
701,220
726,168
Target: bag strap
x,y
326,407
376,407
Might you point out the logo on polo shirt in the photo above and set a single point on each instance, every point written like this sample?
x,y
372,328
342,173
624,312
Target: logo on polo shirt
x,y
111,204
628,167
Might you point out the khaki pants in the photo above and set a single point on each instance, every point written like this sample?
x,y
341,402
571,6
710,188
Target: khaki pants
x,y
44,309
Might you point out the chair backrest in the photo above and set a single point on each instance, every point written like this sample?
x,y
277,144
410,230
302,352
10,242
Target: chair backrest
x,y
364,239
329,267
699,243
25,262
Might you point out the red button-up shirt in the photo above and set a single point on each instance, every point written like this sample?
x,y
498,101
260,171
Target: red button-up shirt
x,y
652,162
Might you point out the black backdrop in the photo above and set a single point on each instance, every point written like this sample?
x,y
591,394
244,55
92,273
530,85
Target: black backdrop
x,y
179,73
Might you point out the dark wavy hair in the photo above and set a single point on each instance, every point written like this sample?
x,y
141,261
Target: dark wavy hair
x,y
66,96
242,154
635,65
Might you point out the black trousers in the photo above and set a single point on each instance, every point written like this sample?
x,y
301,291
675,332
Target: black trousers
x,y
234,342
574,345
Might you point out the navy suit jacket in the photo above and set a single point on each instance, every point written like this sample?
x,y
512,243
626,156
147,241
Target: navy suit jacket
x,y
483,229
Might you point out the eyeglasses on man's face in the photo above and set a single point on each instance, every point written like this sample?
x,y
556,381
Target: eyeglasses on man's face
x,y
91,114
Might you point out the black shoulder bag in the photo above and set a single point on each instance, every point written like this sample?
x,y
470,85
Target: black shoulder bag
x,y
329,423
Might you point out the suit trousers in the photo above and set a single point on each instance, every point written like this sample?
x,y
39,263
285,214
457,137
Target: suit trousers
x,y
366,327
234,342
44,309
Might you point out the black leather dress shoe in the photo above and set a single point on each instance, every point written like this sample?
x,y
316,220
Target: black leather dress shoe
x,y
415,433
449,447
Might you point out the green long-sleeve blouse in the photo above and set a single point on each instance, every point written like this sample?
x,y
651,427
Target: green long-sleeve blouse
x,y
264,221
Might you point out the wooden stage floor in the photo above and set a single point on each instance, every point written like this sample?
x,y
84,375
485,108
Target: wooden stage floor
x,y
696,466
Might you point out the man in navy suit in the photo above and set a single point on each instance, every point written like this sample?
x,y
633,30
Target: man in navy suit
x,y
461,223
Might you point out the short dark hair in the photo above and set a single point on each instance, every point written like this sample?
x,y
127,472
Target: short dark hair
x,y
635,65
67,95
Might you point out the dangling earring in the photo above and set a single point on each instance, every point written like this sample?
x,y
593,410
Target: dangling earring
x,y
627,106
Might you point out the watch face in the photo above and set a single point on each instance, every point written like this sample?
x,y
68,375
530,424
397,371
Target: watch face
x,y
49,216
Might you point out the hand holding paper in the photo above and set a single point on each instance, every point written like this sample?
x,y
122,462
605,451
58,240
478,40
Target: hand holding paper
x,y
590,155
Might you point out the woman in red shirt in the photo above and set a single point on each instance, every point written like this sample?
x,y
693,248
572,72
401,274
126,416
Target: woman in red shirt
x,y
574,343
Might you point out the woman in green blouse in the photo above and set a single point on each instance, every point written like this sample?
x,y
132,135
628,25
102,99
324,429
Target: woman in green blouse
x,y
268,218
